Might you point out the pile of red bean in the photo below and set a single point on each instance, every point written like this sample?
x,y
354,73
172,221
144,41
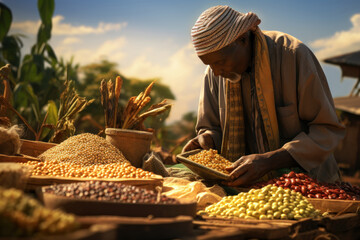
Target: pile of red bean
x,y
311,188
109,191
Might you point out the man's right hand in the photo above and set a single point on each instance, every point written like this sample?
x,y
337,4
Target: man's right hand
x,y
203,141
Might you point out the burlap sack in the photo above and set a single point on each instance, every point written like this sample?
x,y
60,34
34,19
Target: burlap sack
x,y
192,191
10,140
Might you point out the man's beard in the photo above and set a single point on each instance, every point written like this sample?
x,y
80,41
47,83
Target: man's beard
x,y
234,77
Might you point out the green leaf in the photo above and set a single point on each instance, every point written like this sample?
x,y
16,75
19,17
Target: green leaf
x,y
24,98
51,53
46,10
5,20
20,96
38,60
31,69
44,34
52,113
52,118
11,50
34,103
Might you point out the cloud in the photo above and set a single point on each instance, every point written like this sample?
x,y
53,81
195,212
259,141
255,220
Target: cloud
x,y
181,69
112,50
183,73
71,40
176,66
27,27
61,28
341,42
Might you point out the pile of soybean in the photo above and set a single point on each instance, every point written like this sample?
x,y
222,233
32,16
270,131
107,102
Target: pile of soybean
x,y
269,202
109,191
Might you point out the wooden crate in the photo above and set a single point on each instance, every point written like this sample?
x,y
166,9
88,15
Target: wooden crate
x,y
335,206
347,153
262,229
34,148
342,223
89,207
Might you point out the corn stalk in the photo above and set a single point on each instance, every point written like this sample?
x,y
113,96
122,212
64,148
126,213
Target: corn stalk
x,y
70,105
4,77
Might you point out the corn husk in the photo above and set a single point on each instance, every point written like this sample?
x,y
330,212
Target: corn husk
x,y
131,116
70,105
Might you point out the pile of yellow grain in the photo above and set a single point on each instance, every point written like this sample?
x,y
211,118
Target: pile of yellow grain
x,y
85,156
211,159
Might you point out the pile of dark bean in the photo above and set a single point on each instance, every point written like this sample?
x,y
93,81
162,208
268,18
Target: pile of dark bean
x,y
109,191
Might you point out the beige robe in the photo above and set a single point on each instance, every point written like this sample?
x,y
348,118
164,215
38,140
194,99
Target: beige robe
x,y
308,125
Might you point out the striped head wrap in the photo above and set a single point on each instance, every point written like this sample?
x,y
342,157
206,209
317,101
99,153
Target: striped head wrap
x,y
219,26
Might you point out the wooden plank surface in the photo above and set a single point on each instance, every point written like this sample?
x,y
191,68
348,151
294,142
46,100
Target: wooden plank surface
x,y
98,231
218,233
34,148
145,228
260,230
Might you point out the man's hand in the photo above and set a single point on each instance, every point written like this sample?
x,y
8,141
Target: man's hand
x,y
203,141
252,167
248,169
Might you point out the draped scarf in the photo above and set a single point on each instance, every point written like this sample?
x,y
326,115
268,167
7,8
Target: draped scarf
x,y
265,126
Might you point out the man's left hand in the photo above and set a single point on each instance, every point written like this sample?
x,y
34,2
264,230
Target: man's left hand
x,y
252,167
248,169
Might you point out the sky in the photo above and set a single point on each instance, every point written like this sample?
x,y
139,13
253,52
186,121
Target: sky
x,y
151,39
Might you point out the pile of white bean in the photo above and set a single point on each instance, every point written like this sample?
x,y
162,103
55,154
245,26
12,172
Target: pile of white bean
x,y
269,202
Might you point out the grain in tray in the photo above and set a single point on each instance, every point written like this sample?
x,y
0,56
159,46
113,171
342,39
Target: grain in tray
x,y
211,159
85,156
84,149
109,191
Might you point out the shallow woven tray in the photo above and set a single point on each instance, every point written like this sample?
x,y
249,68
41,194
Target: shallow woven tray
x,y
203,171
38,181
147,183
17,158
87,207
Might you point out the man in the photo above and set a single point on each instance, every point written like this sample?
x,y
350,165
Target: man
x,y
265,103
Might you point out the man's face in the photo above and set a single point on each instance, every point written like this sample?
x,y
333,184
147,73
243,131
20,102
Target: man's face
x,y
231,60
